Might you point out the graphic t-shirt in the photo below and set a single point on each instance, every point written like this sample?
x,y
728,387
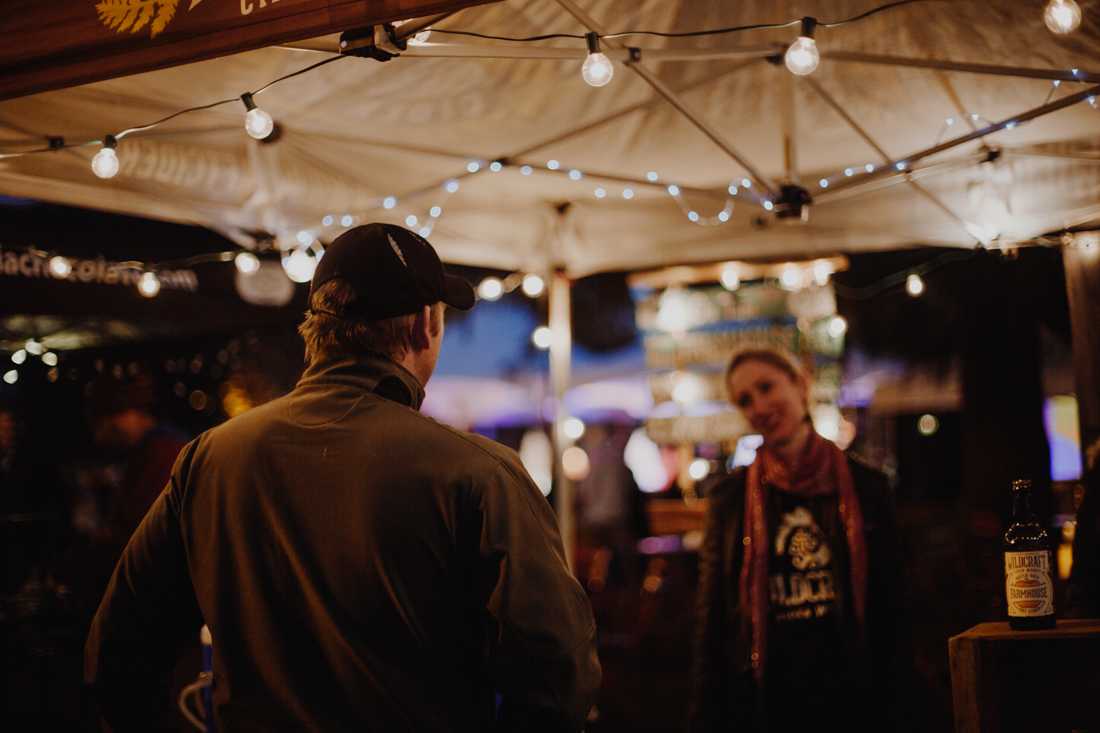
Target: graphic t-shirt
x,y
806,660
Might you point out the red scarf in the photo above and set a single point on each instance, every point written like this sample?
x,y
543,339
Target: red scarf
x,y
823,470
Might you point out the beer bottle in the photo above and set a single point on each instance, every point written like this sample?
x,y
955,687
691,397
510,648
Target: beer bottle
x,y
1029,586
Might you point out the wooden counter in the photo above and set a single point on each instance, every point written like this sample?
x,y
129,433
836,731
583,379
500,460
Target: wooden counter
x,y
1048,681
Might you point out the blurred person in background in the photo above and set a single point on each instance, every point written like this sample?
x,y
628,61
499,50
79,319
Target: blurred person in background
x,y
799,579
127,432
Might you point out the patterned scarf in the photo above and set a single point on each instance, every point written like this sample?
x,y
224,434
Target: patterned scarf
x,y
823,470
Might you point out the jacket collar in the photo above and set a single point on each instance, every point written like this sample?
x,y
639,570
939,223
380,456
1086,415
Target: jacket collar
x,y
371,372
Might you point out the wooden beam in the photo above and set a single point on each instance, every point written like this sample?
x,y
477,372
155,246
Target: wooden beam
x,y
63,43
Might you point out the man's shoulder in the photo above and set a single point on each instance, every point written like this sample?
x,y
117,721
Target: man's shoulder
x,y
476,447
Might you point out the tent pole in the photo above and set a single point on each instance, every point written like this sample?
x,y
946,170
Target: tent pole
x,y
1052,74
935,200
561,348
659,86
1007,123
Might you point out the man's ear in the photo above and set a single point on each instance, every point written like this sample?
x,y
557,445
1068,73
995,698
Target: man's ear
x,y
422,329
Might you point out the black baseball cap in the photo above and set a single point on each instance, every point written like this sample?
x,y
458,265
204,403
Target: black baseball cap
x,y
393,271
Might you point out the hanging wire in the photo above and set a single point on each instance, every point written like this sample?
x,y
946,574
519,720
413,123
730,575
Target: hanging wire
x,y
162,120
898,278
688,34
548,36
311,67
523,39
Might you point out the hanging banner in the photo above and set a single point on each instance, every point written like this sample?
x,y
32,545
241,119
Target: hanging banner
x,y
62,43
32,265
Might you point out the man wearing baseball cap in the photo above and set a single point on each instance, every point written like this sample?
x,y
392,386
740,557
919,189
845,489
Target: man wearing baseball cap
x,y
359,565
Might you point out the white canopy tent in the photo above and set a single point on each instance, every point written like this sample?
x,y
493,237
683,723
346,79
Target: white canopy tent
x,y
358,131
658,151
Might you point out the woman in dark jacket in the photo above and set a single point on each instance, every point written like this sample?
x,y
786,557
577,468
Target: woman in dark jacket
x,y
797,594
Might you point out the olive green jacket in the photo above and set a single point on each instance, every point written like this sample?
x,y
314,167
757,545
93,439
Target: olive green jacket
x,y
359,565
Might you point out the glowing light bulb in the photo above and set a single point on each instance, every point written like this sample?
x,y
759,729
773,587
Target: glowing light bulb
x,y
346,220
60,267
790,277
575,464
628,193
652,176
575,175
496,166
247,263
451,186
1062,16
688,389
473,166
105,162
149,284
837,326
19,357
824,183
411,220
573,428
526,170
542,337
299,266
822,270
491,288
927,425
49,358
435,212
11,377
257,123
699,468
802,56
553,164
914,285
34,347
597,69
673,190
600,192
533,285
389,202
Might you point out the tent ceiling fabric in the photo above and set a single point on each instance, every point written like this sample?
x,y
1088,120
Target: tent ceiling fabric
x,y
358,130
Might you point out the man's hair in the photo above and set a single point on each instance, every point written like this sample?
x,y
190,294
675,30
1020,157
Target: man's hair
x,y
329,334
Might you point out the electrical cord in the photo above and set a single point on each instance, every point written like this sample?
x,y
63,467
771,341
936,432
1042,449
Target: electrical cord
x,y
687,34
205,680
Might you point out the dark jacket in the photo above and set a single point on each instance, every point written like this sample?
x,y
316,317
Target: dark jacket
x,y
724,694
360,566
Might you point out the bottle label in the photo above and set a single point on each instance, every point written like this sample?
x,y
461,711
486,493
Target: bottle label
x,y
1028,586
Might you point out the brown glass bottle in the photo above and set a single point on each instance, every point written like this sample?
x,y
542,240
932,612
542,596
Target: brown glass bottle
x,y
1029,585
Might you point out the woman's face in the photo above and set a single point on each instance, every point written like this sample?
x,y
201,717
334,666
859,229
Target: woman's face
x,y
772,402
